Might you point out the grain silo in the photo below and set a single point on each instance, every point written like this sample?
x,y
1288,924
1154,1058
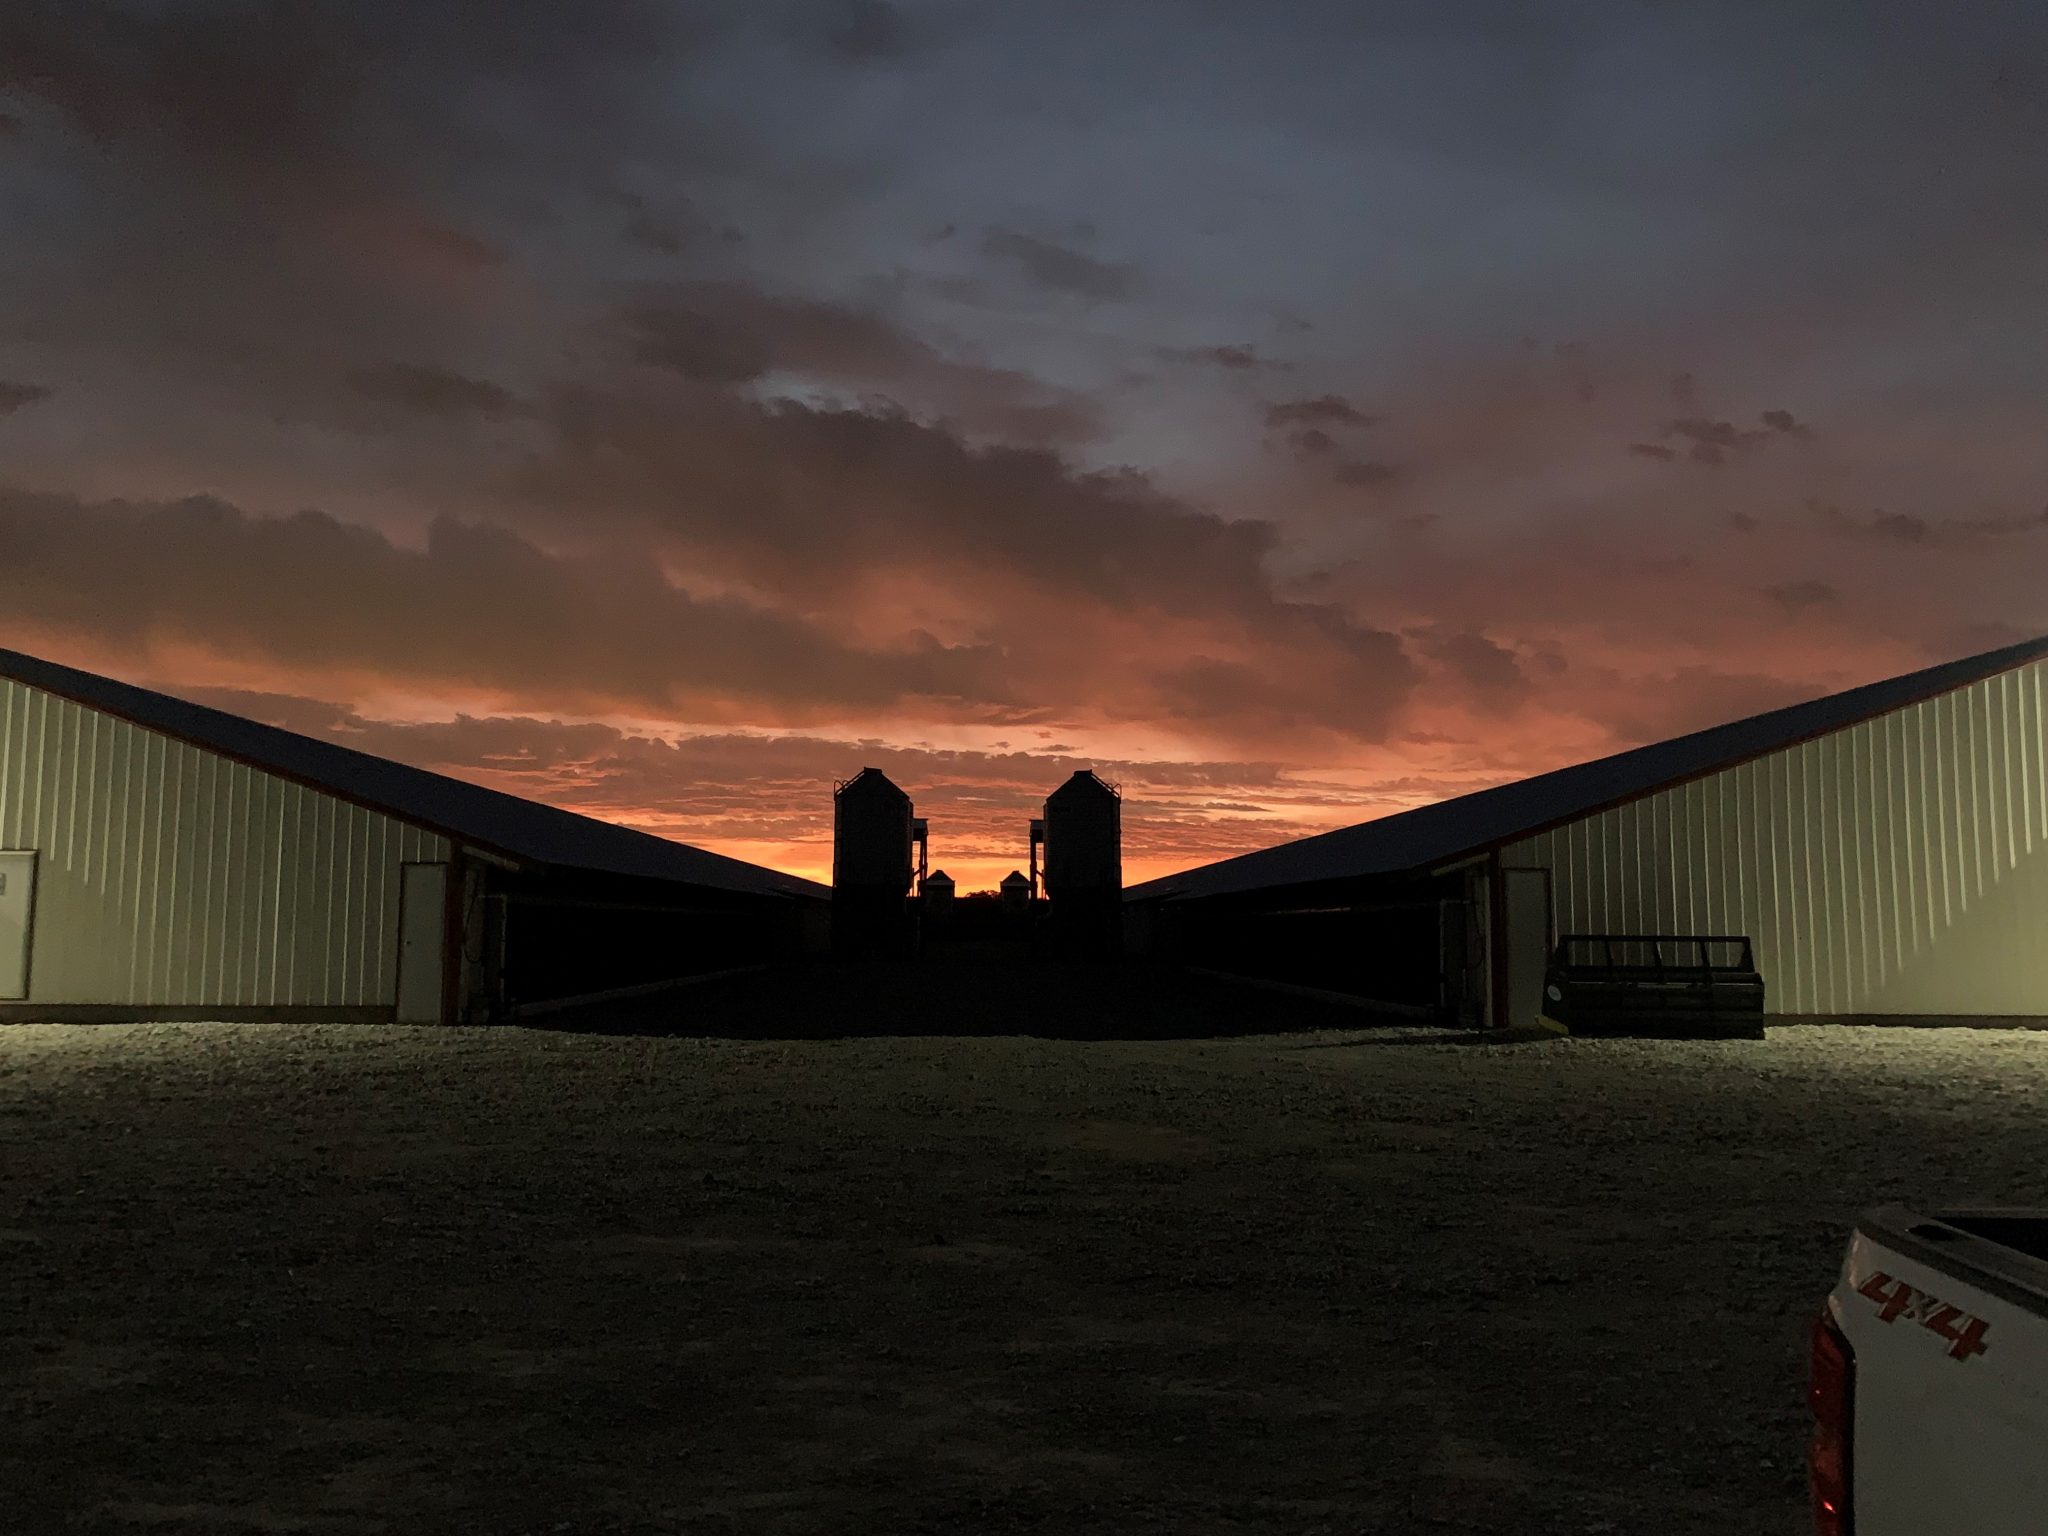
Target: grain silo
x,y
874,831
1016,893
1084,866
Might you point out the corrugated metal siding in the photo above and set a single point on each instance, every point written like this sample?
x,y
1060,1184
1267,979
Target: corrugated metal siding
x,y
173,876
1896,867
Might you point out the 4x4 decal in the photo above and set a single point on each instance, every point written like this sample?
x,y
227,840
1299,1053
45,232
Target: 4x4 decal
x,y
1896,1299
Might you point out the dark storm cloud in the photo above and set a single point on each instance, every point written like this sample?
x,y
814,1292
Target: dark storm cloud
x,y
11,127
431,391
242,88
805,493
257,195
14,396
252,88
1653,451
728,334
1482,664
861,31
476,607
1060,267
1322,411
1101,577
731,333
231,206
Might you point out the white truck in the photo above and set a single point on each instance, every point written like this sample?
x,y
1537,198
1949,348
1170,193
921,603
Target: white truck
x,y
1929,1384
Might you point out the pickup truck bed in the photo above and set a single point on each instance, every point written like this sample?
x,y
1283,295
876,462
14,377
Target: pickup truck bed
x,y
1941,1324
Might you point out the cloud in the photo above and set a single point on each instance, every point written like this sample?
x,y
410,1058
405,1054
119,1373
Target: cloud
x,y
1694,697
1052,596
1231,359
796,489
11,127
1712,441
1797,596
1914,530
1784,422
1322,411
674,228
260,91
476,609
1366,473
1653,451
427,390
1098,580
239,202
1060,267
728,334
14,396
1483,665
654,234
862,31
1311,443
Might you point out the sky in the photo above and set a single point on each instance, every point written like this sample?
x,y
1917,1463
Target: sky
x,y
1295,412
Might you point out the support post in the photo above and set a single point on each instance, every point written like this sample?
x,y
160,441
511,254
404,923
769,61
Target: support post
x,y
1497,960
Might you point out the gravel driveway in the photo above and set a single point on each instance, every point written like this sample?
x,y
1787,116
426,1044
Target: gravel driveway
x,y
355,1279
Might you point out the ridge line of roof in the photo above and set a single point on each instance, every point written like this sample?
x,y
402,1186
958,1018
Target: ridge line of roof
x,y
157,712
1884,696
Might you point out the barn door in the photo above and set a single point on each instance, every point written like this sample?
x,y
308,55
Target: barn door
x,y
17,919
422,941
1527,902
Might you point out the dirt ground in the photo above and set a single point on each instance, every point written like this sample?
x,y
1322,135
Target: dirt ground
x,y
357,1279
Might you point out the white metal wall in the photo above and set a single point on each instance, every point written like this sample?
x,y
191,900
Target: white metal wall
x,y
174,876
1897,867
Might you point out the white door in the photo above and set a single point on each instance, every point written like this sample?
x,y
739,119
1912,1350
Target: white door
x,y
422,925
17,914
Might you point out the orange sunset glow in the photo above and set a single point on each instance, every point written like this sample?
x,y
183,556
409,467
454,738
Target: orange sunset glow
x,y
770,398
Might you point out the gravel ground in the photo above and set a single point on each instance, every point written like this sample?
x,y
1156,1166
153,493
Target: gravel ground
x,y
276,1278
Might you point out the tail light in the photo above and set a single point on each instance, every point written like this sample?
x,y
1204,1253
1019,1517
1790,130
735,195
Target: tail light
x,y
1830,1394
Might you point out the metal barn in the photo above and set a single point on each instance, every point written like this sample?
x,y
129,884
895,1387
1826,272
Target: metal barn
x,y
162,860
1886,848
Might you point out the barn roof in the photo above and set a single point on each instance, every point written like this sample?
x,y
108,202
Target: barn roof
x,y
523,830
1432,836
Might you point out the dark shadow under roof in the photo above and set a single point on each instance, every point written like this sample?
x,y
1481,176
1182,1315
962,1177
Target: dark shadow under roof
x,y
1431,836
524,830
